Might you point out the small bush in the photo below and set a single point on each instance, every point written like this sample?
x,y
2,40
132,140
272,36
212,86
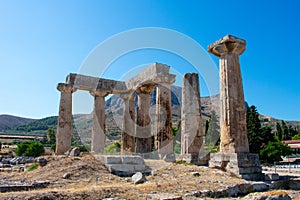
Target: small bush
x,y
34,149
82,148
183,162
32,167
113,148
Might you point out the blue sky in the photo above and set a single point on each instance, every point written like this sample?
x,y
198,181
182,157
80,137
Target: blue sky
x,y
42,41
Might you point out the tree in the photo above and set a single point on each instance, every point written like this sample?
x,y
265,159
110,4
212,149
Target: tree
x,y
255,137
279,131
212,136
285,131
267,135
51,138
273,151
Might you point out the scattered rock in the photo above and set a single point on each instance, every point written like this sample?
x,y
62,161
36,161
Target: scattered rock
x,y
42,161
272,177
66,175
197,174
169,158
75,151
165,196
138,178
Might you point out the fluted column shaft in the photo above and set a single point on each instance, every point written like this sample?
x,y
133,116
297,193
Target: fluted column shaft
x,y
191,122
233,116
64,123
128,130
163,127
98,130
143,121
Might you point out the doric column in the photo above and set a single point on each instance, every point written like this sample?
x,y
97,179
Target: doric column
x,y
64,123
143,121
128,130
98,131
191,120
163,127
233,118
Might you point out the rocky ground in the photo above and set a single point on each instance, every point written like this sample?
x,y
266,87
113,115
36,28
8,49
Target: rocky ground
x,y
85,177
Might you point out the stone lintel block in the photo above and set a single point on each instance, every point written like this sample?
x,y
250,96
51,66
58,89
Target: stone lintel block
x,y
155,73
134,160
90,83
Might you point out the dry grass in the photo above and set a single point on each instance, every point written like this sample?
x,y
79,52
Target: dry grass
x,y
176,179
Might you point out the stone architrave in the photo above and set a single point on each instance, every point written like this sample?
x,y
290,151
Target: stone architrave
x,y
64,123
128,130
98,130
143,121
233,117
163,133
191,120
234,153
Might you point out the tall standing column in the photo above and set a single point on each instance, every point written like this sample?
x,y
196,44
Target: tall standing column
x,y
64,123
234,153
163,133
128,131
143,121
191,120
233,117
98,131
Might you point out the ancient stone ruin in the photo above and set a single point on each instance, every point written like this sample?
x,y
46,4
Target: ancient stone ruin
x,y
234,153
136,130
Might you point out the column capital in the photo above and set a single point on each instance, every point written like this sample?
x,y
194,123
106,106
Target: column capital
x,y
127,95
227,45
62,87
145,89
97,93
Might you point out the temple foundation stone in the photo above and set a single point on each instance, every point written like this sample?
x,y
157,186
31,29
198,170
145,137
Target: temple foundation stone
x,y
234,153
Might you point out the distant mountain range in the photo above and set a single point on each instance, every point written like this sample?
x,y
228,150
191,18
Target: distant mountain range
x,y
114,116
9,121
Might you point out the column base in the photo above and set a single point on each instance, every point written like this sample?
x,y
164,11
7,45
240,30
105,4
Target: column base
x,y
243,165
194,158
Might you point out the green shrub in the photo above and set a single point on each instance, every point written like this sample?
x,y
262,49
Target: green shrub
x,y
32,167
34,149
273,151
113,148
53,147
177,148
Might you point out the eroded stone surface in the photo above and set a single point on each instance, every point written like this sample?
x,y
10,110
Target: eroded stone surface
x,y
191,122
233,117
163,117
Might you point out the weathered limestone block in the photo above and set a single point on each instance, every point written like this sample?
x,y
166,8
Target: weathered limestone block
x,y
64,124
233,117
90,83
128,130
163,133
98,131
156,73
143,120
191,122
